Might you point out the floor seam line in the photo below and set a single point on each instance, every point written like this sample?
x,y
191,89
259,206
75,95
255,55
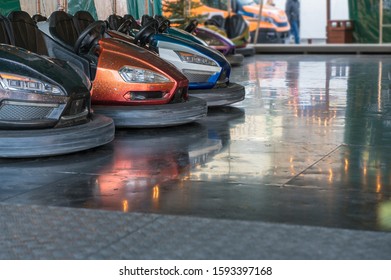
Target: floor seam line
x,y
123,237
316,162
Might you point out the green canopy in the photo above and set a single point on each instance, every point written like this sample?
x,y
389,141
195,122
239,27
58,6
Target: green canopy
x,y
137,7
365,14
85,5
7,6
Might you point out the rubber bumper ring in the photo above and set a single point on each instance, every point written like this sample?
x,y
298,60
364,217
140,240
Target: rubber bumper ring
x,y
56,141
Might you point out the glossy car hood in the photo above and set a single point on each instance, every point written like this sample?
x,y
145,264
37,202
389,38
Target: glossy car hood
x,y
267,11
130,54
206,51
185,35
19,61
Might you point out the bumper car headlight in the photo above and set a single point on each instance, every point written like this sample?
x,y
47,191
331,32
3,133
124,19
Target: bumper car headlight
x,y
193,58
28,85
139,75
267,19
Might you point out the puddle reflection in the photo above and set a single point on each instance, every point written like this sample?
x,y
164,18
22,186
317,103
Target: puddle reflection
x,y
133,173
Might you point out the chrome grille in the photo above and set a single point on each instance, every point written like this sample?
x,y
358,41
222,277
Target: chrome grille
x,y
197,76
24,112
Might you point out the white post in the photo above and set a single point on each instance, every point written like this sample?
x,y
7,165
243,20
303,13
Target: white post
x,y
38,11
114,7
152,7
258,22
380,21
146,7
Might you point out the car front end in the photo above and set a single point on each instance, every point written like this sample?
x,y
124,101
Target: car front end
x,y
207,69
45,107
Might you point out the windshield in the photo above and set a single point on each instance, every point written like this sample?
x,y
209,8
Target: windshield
x,y
245,2
222,4
217,4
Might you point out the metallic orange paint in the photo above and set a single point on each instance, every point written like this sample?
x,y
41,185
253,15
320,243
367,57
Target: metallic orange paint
x,y
109,88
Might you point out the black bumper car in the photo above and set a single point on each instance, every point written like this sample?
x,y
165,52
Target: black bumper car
x,y
45,106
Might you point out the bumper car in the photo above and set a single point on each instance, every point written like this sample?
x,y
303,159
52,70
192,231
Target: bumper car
x,y
44,105
129,84
235,28
206,69
206,37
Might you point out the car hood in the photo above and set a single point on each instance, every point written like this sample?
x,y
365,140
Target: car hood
x,y
197,48
267,11
20,61
185,35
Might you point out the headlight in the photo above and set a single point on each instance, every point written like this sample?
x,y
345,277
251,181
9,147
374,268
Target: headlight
x,y
139,75
264,18
267,19
193,58
28,85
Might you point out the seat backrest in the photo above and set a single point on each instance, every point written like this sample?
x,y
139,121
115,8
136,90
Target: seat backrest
x,y
145,19
6,34
26,33
82,19
115,21
235,25
219,20
62,28
135,24
39,18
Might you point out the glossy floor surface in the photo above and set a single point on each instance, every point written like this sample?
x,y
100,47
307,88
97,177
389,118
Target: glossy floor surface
x,y
310,145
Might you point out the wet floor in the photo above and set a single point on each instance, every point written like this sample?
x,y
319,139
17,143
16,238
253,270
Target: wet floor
x,y
310,145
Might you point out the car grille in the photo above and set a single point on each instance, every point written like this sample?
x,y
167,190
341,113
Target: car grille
x,y
281,24
143,95
197,76
9,111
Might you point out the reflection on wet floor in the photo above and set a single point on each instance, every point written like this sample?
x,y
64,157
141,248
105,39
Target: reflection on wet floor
x,y
309,145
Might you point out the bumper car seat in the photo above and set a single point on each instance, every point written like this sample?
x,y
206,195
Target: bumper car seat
x,y
237,29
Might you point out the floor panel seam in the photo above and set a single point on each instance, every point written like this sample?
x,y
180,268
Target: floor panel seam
x,y
314,163
123,237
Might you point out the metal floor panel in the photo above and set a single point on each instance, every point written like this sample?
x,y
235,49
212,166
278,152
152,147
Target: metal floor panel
x,y
298,170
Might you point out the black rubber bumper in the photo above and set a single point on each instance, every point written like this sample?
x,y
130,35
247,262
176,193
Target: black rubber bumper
x,y
270,36
156,115
56,141
220,96
235,59
246,51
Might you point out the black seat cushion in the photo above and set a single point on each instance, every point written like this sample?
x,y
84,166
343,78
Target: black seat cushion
x,y
219,20
82,19
6,34
39,18
135,24
145,19
26,33
115,21
235,25
62,28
